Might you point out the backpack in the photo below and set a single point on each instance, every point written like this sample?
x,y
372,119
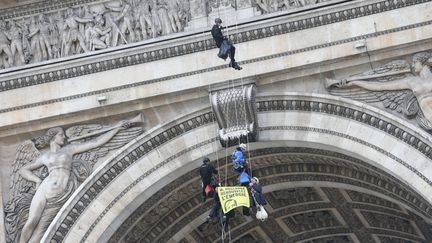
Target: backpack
x,y
209,191
224,49
236,165
244,178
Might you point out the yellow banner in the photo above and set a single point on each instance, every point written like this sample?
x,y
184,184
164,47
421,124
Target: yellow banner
x,y
232,197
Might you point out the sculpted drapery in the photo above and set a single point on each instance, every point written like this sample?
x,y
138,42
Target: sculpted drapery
x,y
71,31
48,169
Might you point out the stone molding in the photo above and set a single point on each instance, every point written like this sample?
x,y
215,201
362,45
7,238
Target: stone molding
x,y
187,216
86,69
182,15
338,134
237,36
418,143
119,164
142,177
40,7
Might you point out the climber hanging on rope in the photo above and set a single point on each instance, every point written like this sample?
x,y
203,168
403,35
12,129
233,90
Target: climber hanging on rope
x,y
225,46
245,180
208,184
238,159
217,214
256,192
257,199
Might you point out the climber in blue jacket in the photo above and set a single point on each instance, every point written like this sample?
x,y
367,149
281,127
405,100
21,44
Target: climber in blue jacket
x,y
238,160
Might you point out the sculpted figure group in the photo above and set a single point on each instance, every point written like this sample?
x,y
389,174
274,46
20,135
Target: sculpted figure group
x,y
93,27
269,6
88,28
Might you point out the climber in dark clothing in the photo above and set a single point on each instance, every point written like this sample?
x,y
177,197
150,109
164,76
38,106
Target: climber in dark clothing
x,y
256,193
206,172
216,212
219,38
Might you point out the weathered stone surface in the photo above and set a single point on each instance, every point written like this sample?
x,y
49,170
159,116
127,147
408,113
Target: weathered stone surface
x,y
149,77
336,166
100,25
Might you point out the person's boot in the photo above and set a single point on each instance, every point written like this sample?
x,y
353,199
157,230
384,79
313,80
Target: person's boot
x,y
235,65
231,64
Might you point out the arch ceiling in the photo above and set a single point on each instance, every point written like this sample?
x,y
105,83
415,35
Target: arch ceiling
x,y
314,196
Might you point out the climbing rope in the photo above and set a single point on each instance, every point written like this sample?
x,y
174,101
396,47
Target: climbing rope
x,y
245,115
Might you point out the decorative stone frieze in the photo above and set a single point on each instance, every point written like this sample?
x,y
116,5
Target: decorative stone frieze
x,y
237,36
89,25
235,112
417,143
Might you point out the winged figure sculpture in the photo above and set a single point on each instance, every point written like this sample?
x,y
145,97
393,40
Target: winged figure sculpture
x,y
48,169
398,85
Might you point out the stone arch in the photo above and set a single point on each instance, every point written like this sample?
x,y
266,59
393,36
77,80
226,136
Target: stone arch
x,y
280,168
159,157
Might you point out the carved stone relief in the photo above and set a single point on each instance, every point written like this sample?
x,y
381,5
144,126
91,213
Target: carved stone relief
x,y
379,220
398,85
48,169
201,45
235,111
269,6
90,27
309,221
46,36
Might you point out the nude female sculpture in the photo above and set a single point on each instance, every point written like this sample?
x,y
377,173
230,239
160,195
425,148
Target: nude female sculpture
x,y
58,159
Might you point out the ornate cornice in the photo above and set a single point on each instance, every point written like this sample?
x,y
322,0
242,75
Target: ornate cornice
x,y
357,140
40,7
107,65
123,161
236,36
352,113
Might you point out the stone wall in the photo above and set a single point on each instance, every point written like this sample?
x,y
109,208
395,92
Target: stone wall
x,y
65,88
324,52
